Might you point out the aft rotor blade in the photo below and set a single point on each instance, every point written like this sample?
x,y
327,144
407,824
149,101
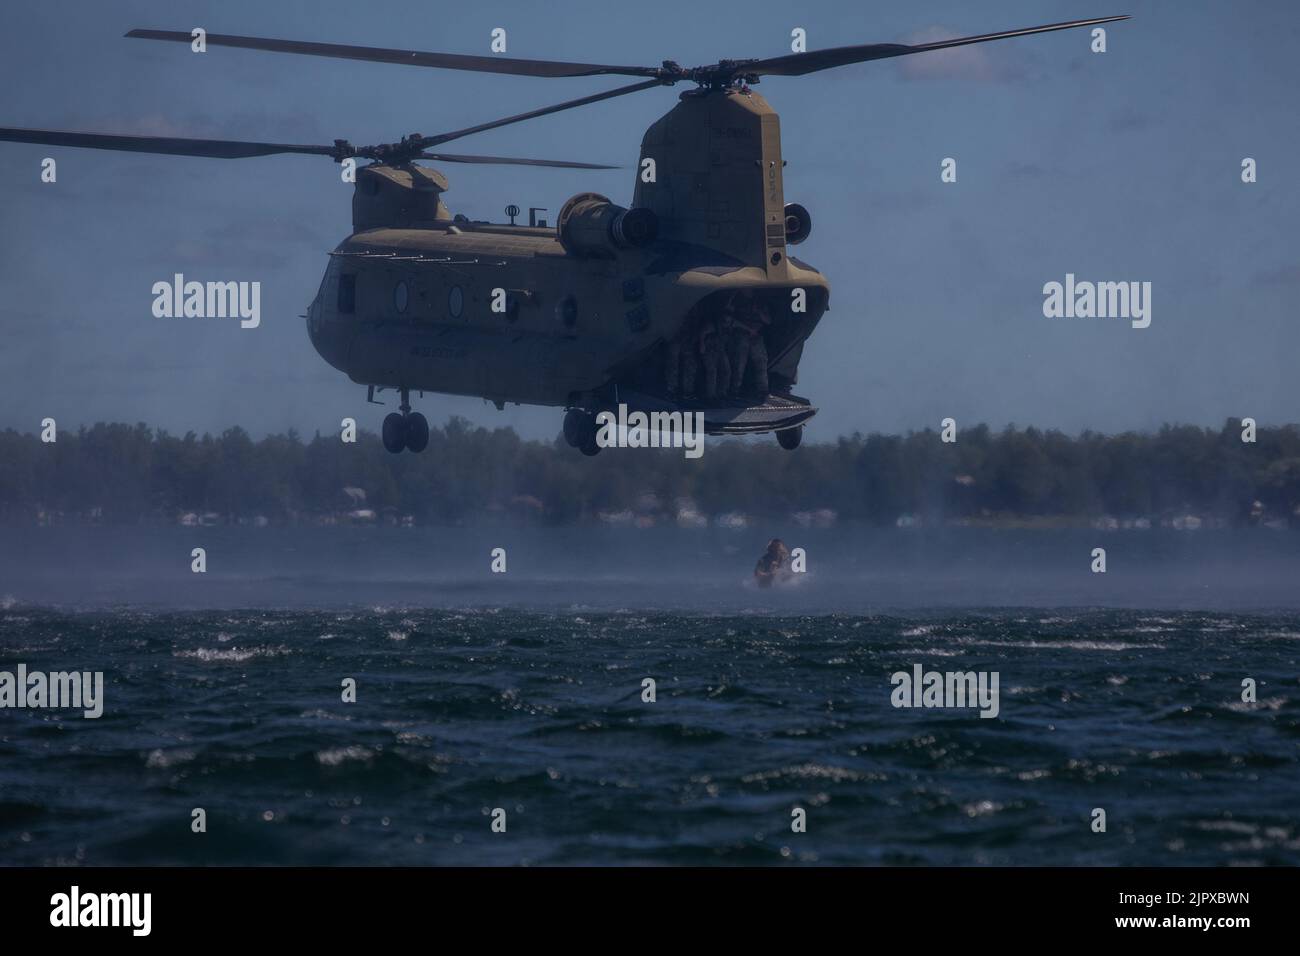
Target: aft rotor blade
x,y
532,114
446,61
799,64
510,161
164,145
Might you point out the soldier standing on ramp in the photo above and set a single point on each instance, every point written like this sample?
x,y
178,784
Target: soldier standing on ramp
x,y
673,366
749,320
717,370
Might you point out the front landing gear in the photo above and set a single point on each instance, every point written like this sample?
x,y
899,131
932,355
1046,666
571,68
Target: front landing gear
x,y
580,431
409,430
789,438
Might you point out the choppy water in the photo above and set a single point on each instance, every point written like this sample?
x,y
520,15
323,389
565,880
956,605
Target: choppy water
x,y
540,713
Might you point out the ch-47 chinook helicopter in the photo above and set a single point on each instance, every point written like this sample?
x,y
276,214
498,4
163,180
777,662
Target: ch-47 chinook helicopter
x,y
615,305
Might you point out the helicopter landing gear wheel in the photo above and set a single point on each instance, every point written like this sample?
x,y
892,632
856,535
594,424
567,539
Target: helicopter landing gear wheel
x,y
580,431
405,429
576,425
789,438
394,433
417,432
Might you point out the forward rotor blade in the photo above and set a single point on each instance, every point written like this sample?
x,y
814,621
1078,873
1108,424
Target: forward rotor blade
x,y
532,114
446,61
799,64
165,145
510,161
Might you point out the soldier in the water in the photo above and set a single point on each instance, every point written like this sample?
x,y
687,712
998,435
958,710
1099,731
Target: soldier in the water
x,y
748,321
771,566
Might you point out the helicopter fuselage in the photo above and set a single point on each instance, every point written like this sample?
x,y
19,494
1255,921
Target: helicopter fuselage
x,y
505,313
419,300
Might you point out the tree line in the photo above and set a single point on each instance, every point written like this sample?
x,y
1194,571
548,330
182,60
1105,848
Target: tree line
x,y
118,473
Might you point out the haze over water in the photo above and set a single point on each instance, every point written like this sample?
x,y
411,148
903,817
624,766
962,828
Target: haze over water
x,y
849,568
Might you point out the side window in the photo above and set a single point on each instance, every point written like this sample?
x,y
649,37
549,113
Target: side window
x,y
347,293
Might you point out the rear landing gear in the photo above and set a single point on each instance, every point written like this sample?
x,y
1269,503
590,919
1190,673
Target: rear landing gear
x,y
580,431
407,429
789,438
417,432
394,432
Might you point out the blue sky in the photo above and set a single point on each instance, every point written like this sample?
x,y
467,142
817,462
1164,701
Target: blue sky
x,y
1115,166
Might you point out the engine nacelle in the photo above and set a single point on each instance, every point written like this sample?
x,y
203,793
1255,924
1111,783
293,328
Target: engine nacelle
x,y
591,225
798,223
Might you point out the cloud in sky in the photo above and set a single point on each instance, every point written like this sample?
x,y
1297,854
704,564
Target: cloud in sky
x,y
977,63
